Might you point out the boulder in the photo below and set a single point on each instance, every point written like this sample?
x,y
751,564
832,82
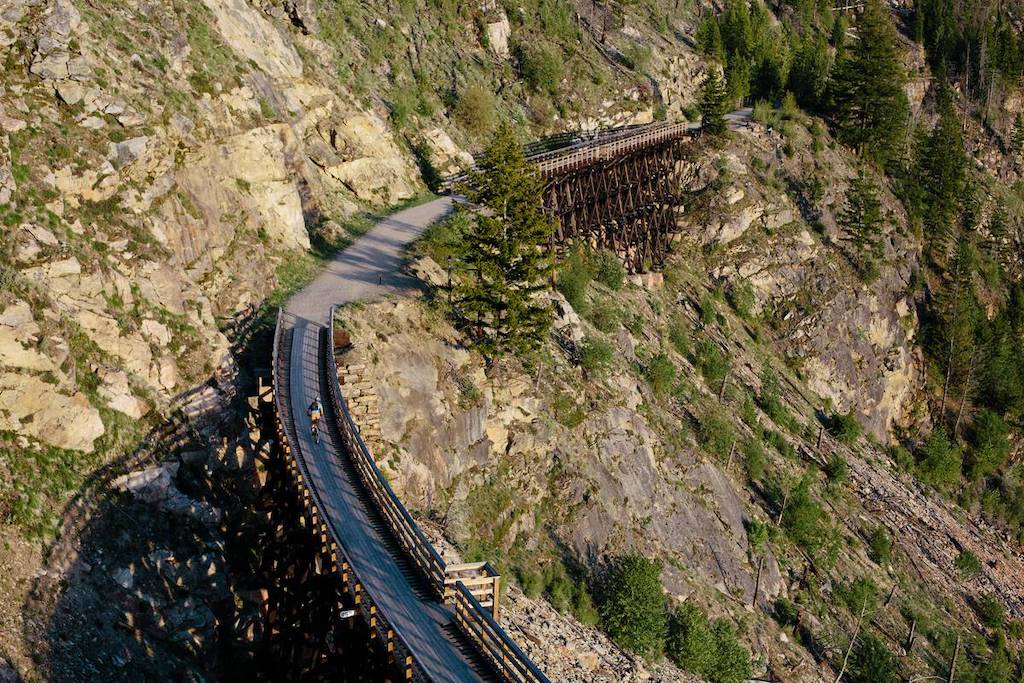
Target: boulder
x,y
118,393
447,157
33,407
498,33
19,341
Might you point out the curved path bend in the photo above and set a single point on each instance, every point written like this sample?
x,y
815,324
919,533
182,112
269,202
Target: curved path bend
x,y
369,269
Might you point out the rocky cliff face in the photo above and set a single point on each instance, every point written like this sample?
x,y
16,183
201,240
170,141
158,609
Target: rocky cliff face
x,y
772,224
158,164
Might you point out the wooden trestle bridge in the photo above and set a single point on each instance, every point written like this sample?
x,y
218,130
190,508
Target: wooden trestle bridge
x,y
617,190
433,621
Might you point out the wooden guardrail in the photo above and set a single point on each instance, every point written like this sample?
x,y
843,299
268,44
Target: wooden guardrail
x,y
587,154
395,645
506,657
464,583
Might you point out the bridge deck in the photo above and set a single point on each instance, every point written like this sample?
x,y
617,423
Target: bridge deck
x,y
426,626
368,269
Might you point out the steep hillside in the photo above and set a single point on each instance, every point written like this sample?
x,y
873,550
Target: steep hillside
x,y
169,171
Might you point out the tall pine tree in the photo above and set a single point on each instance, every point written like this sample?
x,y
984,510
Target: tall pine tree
x,y
713,104
861,218
942,165
505,251
870,105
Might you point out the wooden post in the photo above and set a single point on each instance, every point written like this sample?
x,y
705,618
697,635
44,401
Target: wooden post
x,y
952,663
725,381
497,595
853,640
757,581
910,638
732,452
891,594
785,499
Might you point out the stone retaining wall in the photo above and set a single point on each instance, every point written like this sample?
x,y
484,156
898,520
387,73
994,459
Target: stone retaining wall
x,y
361,395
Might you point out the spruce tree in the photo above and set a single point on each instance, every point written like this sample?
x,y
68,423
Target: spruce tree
x,y
861,218
808,77
713,104
1017,139
505,251
870,105
737,79
709,38
942,165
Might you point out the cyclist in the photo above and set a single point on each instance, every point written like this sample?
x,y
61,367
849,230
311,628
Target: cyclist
x,y
315,412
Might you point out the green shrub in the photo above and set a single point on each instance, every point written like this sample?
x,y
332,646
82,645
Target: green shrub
x,y
990,445
872,662
475,110
779,443
716,433
758,534
583,607
938,461
679,335
567,411
991,611
754,460
748,411
633,610
804,519
711,651
785,612
880,545
637,56
609,270
770,400
542,67
604,315
765,114
574,276
712,363
708,310
660,373
859,594
967,563
836,471
845,427
532,583
596,355
741,298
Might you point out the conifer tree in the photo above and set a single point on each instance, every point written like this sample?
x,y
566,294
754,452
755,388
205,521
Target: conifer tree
x,y
709,38
737,79
713,104
942,166
808,77
870,105
505,251
861,218
1017,139
958,317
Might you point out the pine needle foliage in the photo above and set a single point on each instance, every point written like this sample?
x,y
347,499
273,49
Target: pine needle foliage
x,y
713,104
870,105
861,218
505,252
